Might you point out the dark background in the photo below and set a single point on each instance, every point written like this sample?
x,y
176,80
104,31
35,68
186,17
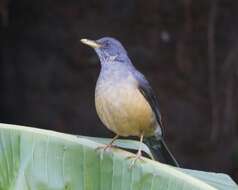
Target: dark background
x,y
187,49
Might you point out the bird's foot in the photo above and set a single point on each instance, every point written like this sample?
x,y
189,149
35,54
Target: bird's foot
x,y
135,158
103,148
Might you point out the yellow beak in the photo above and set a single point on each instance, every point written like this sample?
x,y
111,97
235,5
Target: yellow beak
x,y
90,43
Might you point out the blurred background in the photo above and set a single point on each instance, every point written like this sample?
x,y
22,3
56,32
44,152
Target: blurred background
x,y
187,49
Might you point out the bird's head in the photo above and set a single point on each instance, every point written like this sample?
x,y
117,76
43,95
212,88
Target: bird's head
x,y
108,49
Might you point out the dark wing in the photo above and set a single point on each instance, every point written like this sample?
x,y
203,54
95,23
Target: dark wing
x,y
150,96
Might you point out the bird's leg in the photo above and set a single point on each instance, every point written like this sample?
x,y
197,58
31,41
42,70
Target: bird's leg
x,y
105,147
138,155
111,143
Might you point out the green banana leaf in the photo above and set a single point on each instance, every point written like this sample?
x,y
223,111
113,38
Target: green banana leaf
x,y
127,144
35,159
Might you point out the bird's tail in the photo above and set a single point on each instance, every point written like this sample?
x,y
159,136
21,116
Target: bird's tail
x,y
161,151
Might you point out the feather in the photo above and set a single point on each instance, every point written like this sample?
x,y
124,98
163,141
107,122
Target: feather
x,y
150,96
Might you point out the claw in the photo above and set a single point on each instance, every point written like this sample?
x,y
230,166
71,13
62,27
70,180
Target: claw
x,y
138,156
102,149
135,158
106,147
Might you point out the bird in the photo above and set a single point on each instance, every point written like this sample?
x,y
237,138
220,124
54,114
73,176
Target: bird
x,y
125,102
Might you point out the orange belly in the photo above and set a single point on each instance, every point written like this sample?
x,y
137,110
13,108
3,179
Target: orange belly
x,y
125,111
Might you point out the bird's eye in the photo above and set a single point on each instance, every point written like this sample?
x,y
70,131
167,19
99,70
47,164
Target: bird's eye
x,y
106,44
